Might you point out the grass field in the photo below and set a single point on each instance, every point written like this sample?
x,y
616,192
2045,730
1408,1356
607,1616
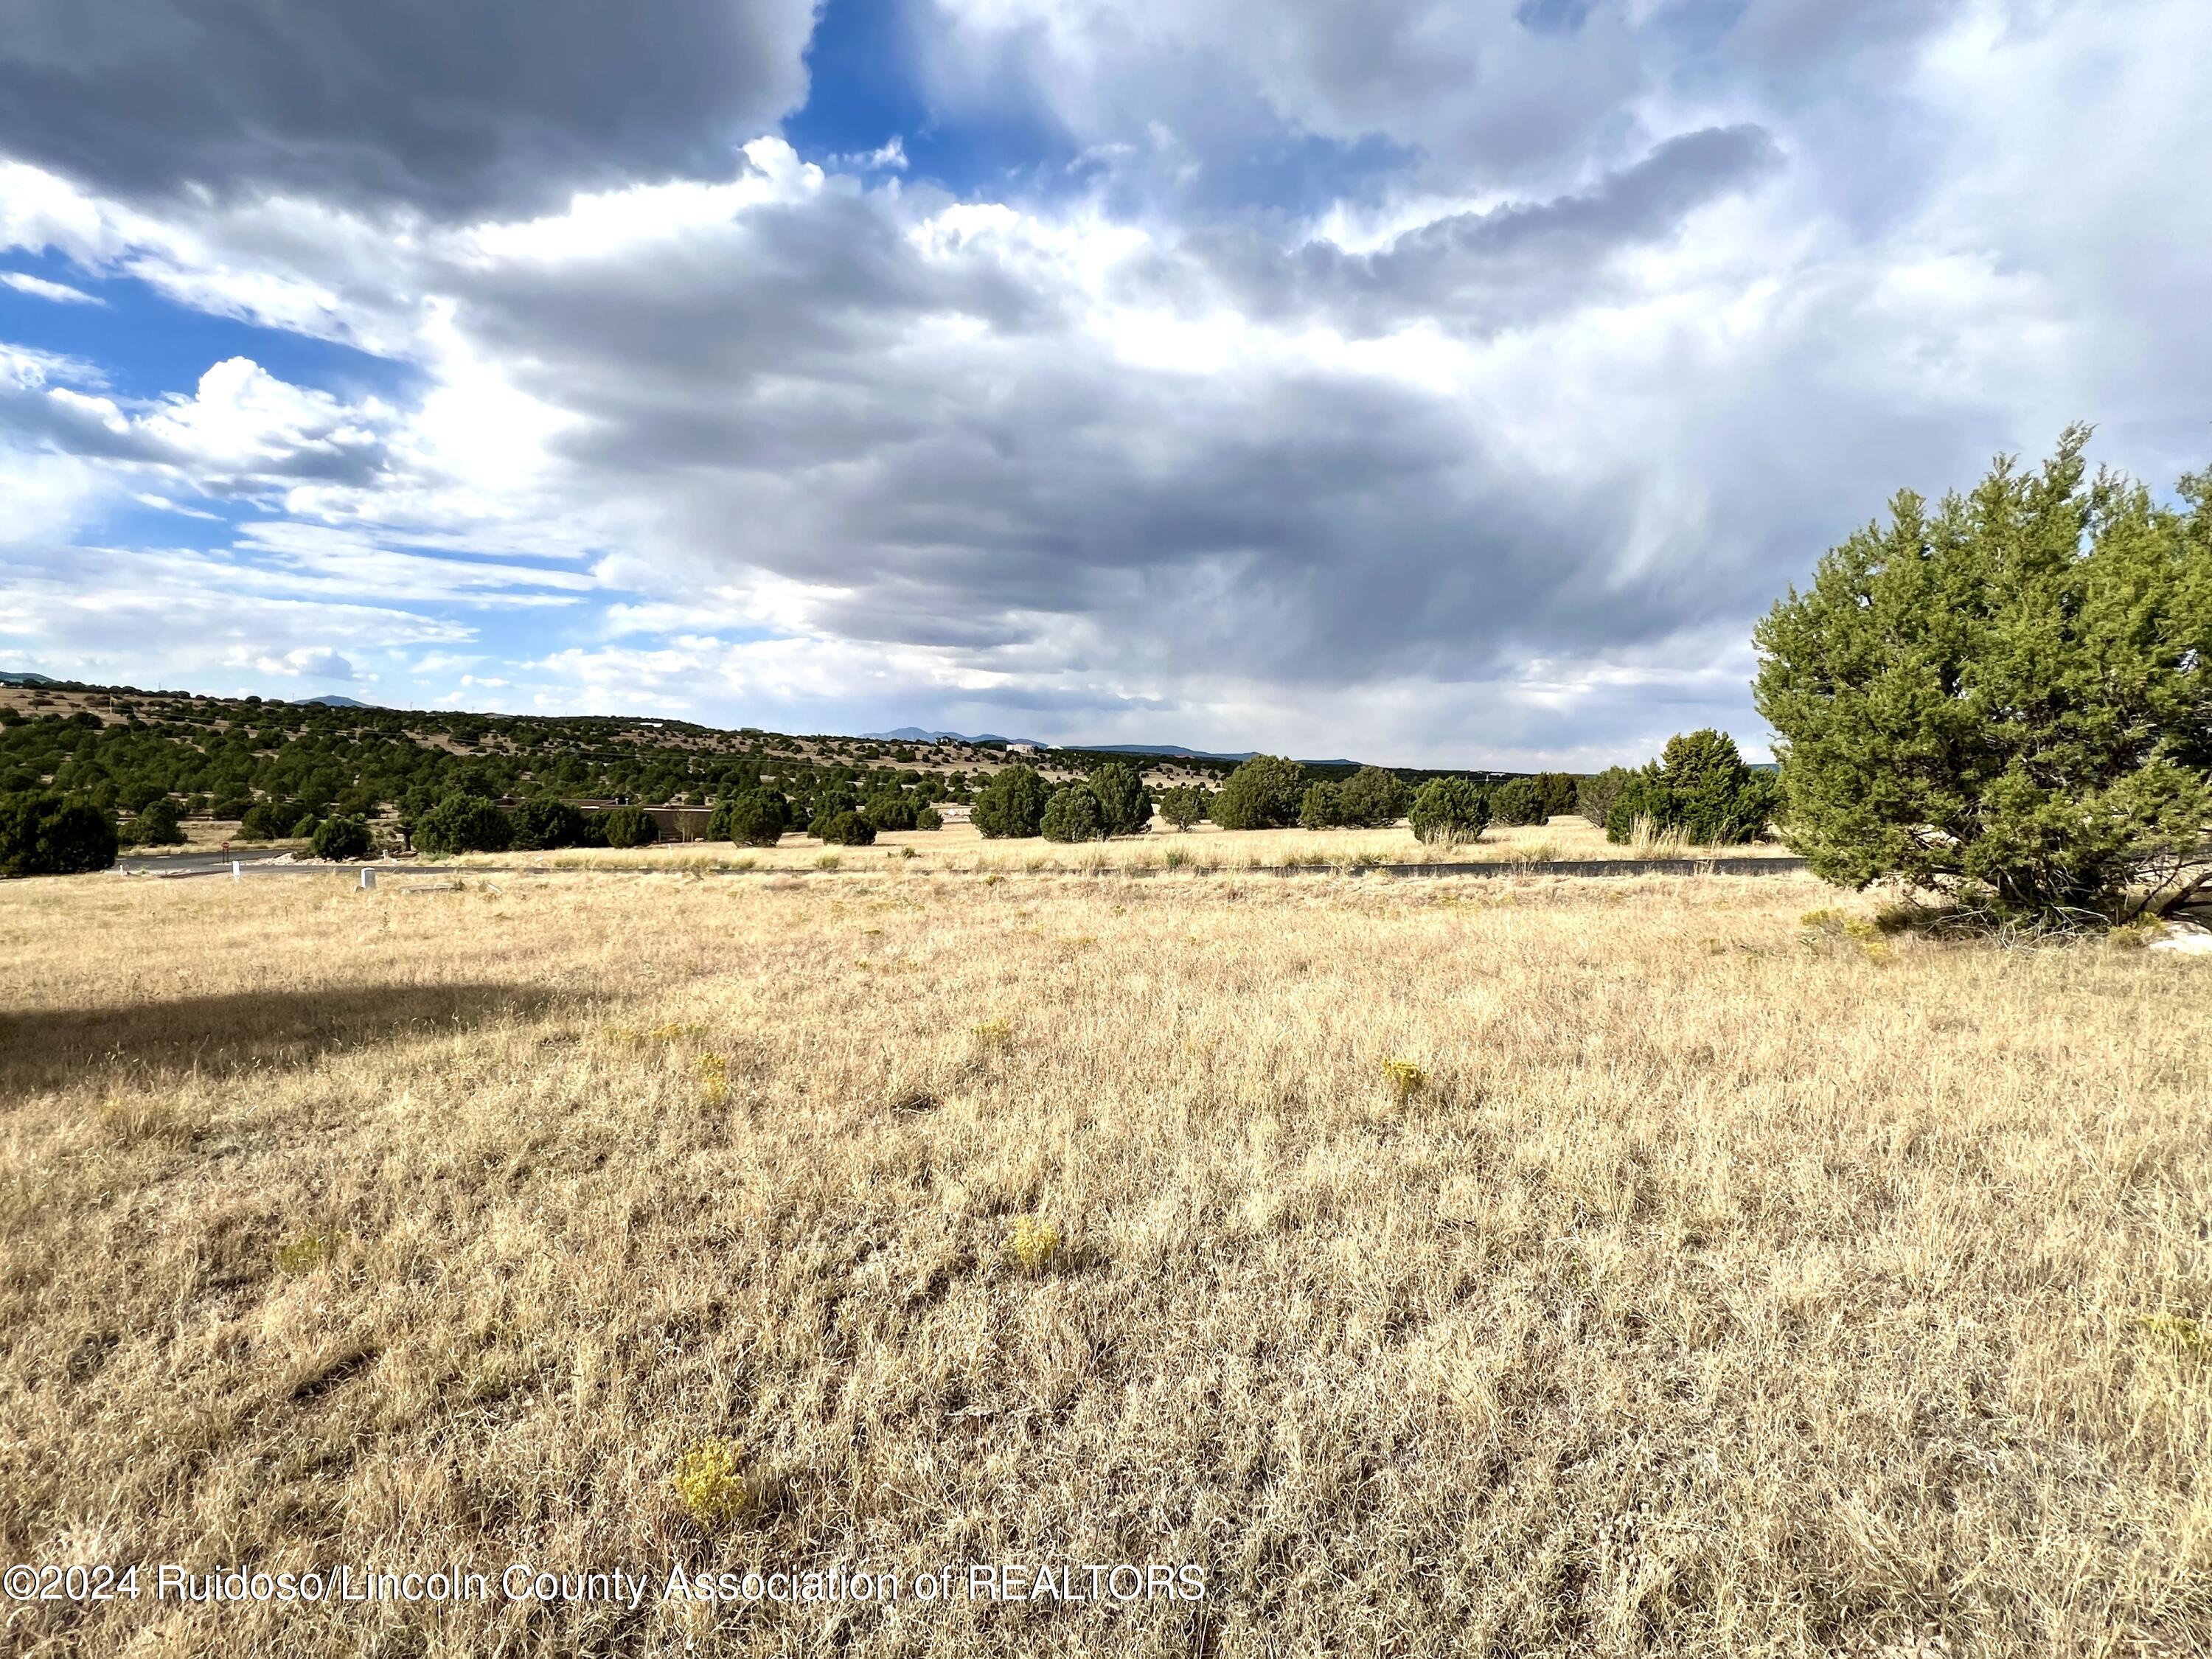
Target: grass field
x,y
961,848
1444,1266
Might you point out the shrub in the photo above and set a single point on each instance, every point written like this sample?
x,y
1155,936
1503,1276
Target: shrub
x,y
1449,811
1372,797
545,822
463,824
2009,695
1405,1080
629,826
1073,814
342,838
1322,808
43,835
1011,804
1265,792
714,1079
894,810
1556,790
712,1485
1184,805
303,827
1033,1244
156,824
267,820
756,818
1700,789
846,830
929,818
1517,800
1595,795
1123,800
827,802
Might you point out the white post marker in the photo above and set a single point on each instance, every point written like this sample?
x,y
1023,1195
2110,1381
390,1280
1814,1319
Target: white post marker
x,y
237,871
369,881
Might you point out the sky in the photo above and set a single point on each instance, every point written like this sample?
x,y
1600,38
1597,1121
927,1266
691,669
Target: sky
x,y
1447,382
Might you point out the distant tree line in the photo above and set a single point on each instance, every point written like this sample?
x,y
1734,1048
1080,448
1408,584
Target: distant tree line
x,y
2004,699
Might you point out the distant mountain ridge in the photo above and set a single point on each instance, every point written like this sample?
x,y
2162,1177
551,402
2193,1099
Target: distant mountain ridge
x,y
1166,750
13,678
331,700
915,734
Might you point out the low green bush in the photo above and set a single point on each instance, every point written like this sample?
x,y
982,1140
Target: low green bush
x,y
156,824
342,838
1011,804
1073,814
463,824
267,820
1449,811
1184,805
756,818
43,835
1372,797
545,822
1323,808
1700,788
1124,802
1265,792
1517,800
893,810
629,826
1595,794
846,830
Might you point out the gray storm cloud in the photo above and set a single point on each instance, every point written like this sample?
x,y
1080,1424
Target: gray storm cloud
x,y
1645,306
450,108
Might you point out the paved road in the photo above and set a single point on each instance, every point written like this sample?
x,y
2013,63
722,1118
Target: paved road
x,y
258,865
200,863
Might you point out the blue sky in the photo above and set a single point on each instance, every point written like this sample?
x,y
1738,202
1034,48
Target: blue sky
x,y
1421,380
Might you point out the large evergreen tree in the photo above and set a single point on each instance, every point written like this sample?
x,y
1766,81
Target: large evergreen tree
x,y
1010,806
43,835
1074,813
1122,799
1265,792
2008,695
1372,797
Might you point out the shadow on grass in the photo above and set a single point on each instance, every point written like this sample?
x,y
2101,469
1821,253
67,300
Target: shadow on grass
x,y
242,1030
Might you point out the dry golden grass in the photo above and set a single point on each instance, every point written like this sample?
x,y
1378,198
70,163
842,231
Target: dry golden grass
x,y
960,848
1447,1267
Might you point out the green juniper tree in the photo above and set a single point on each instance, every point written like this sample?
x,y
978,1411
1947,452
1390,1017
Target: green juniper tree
x,y
1011,804
757,818
1265,792
1323,807
1699,788
2007,695
1372,797
43,835
156,824
1595,795
1517,800
343,837
1183,805
1449,811
470,823
1074,814
1122,798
